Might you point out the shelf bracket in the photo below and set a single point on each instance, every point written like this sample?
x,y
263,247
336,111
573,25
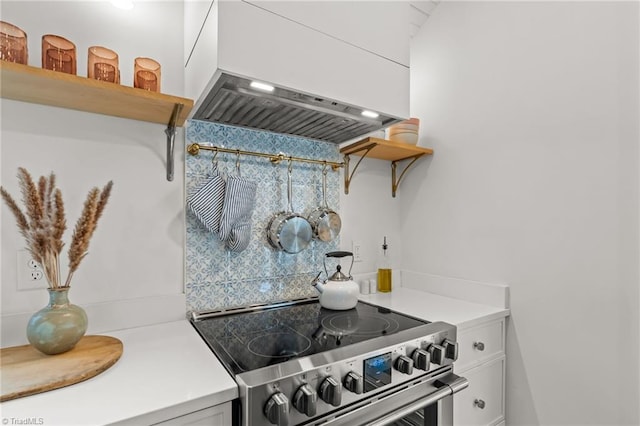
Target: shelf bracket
x,y
170,131
394,165
347,176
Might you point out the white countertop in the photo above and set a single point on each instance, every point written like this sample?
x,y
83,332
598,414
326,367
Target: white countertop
x,y
432,307
166,370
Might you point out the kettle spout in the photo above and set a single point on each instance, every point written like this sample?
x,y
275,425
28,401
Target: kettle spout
x,y
317,283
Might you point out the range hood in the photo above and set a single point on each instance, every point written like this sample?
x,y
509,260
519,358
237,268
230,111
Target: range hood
x,y
234,100
317,81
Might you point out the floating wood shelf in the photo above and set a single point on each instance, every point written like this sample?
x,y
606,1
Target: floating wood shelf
x,y
35,85
39,86
382,149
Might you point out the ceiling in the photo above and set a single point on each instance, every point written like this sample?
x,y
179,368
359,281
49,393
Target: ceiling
x,y
419,13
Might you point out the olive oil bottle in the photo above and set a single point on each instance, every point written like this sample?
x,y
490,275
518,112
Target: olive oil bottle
x,y
384,269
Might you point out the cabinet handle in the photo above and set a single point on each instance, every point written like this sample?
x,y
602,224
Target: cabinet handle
x,y
478,346
479,403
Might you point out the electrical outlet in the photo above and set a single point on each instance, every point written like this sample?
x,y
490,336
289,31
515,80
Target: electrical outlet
x,y
29,272
356,248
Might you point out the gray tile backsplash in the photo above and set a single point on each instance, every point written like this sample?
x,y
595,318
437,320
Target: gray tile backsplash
x,y
217,278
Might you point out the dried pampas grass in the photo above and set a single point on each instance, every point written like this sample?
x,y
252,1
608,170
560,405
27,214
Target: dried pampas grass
x,y
43,223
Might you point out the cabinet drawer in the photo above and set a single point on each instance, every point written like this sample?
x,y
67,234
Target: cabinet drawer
x,y
219,415
478,344
482,403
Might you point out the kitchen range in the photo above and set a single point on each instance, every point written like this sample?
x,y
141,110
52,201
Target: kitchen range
x,y
297,363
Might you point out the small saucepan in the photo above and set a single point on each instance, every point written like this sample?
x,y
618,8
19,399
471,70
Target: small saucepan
x,y
326,223
289,231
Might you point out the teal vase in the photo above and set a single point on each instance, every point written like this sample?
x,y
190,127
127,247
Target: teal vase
x,y
57,327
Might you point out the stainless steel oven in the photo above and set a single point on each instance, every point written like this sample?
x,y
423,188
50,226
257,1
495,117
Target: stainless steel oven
x,y
299,364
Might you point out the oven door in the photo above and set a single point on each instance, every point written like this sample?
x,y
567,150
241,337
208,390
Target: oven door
x,y
427,402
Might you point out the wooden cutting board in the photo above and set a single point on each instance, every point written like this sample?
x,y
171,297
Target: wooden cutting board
x,y
26,371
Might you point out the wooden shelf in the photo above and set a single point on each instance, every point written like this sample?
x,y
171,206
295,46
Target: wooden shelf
x,y
385,150
35,85
382,149
39,86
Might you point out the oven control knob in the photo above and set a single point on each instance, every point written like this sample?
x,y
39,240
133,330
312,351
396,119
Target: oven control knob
x,y
404,364
353,382
450,349
437,353
421,359
277,409
331,391
305,400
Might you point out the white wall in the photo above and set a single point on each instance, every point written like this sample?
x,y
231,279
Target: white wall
x,y
136,254
369,213
532,110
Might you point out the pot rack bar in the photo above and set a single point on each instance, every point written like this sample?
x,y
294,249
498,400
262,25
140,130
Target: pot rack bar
x,y
194,149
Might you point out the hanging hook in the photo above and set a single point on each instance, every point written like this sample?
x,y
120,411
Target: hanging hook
x,y
290,164
324,168
238,161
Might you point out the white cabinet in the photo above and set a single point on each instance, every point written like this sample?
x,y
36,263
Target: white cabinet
x,y
380,27
482,403
220,415
195,13
481,359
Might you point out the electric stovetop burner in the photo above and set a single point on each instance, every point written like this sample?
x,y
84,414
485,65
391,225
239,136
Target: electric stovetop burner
x,y
252,340
279,345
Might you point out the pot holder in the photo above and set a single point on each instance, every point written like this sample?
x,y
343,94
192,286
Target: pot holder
x,y
235,222
207,200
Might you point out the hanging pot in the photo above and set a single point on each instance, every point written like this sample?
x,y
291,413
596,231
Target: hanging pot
x,y
325,223
289,231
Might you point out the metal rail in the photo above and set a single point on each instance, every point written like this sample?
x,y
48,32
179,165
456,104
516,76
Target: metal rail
x,y
194,149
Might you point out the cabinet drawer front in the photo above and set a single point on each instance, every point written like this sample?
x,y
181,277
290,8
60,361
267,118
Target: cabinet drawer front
x,y
479,344
482,403
219,415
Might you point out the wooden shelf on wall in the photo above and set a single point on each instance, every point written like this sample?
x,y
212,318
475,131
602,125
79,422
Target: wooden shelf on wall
x,y
385,149
35,85
39,86
382,149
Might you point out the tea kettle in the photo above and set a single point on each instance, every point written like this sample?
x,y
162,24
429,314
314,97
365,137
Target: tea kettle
x,y
339,292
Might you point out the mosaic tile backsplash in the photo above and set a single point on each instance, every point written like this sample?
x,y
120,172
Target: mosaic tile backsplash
x,y
217,278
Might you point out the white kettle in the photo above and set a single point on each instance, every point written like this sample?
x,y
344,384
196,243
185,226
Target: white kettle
x,y
339,292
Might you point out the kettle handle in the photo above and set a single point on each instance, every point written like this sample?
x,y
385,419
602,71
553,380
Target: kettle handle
x,y
338,254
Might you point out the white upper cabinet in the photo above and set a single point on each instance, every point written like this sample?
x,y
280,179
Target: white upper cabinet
x,y
379,27
195,13
352,52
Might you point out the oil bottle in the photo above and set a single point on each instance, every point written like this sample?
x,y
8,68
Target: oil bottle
x,y
384,268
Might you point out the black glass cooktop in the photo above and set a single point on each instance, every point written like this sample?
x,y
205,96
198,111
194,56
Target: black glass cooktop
x,y
251,340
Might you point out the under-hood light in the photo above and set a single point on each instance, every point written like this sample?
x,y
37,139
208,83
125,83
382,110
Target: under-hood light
x,y
370,114
262,86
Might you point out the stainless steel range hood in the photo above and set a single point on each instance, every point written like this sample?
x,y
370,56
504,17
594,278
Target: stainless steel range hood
x,y
323,78
234,101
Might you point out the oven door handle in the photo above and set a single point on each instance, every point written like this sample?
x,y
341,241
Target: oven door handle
x,y
452,384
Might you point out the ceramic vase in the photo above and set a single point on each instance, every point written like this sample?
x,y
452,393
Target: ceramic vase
x,y
57,327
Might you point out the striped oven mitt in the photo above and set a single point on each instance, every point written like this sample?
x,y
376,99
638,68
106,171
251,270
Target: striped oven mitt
x,y
235,223
207,200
